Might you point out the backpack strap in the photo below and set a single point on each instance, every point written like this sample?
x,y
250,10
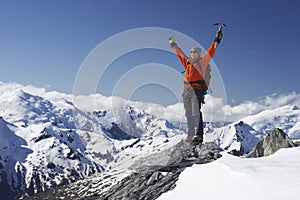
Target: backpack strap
x,y
200,82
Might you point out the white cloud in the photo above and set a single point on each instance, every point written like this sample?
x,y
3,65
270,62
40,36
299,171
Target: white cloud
x,y
237,112
215,108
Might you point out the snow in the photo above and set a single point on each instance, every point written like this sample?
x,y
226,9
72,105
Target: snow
x,y
234,178
245,133
285,117
49,141
40,128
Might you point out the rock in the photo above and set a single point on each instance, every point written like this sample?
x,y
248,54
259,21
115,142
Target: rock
x,y
51,165
151,176
276,140
157,173
138,186
181,155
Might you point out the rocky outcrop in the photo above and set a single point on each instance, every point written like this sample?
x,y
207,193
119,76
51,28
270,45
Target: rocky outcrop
x,y
146,185
151,175
276,140
181,155
158,173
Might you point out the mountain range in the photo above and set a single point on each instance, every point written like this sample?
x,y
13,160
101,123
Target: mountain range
x,y
49,139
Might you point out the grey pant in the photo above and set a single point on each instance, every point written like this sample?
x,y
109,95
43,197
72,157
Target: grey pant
x,y
192,100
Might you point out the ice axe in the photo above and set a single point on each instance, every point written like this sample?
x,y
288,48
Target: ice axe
x,y
221,25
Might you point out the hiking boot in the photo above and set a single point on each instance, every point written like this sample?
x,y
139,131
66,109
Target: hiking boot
x,y
198,138
189,138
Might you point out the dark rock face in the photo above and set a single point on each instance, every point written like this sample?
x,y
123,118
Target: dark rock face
x,y
6,191
276,140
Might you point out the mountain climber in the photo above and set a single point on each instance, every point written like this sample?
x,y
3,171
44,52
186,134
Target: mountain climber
x,y
195,86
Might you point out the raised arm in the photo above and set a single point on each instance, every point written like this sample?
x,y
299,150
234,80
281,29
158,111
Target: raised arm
x,y
209,53
211,50
178,51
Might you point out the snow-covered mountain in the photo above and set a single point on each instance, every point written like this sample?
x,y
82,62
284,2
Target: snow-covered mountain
x,y
40,144
240,137
47,141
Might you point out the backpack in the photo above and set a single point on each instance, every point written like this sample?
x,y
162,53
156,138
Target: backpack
x,y
207,75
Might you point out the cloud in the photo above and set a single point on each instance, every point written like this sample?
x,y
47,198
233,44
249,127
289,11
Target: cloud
x,y
12,86
234,113
215,109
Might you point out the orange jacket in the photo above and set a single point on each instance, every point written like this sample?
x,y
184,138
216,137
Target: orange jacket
x,y
195,69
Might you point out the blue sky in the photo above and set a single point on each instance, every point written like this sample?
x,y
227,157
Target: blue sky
x,y
44,43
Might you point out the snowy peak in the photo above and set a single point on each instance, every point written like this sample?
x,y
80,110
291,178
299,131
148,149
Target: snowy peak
x,y
23,109
45,141
40,146
149,125
12,147
132,122
46,157
238,138
295,107
13,153
286,118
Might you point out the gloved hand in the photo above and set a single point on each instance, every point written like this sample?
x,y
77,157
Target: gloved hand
x,y
172,41
219,36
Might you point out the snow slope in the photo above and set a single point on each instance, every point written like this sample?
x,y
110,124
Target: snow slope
x,y
234,178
